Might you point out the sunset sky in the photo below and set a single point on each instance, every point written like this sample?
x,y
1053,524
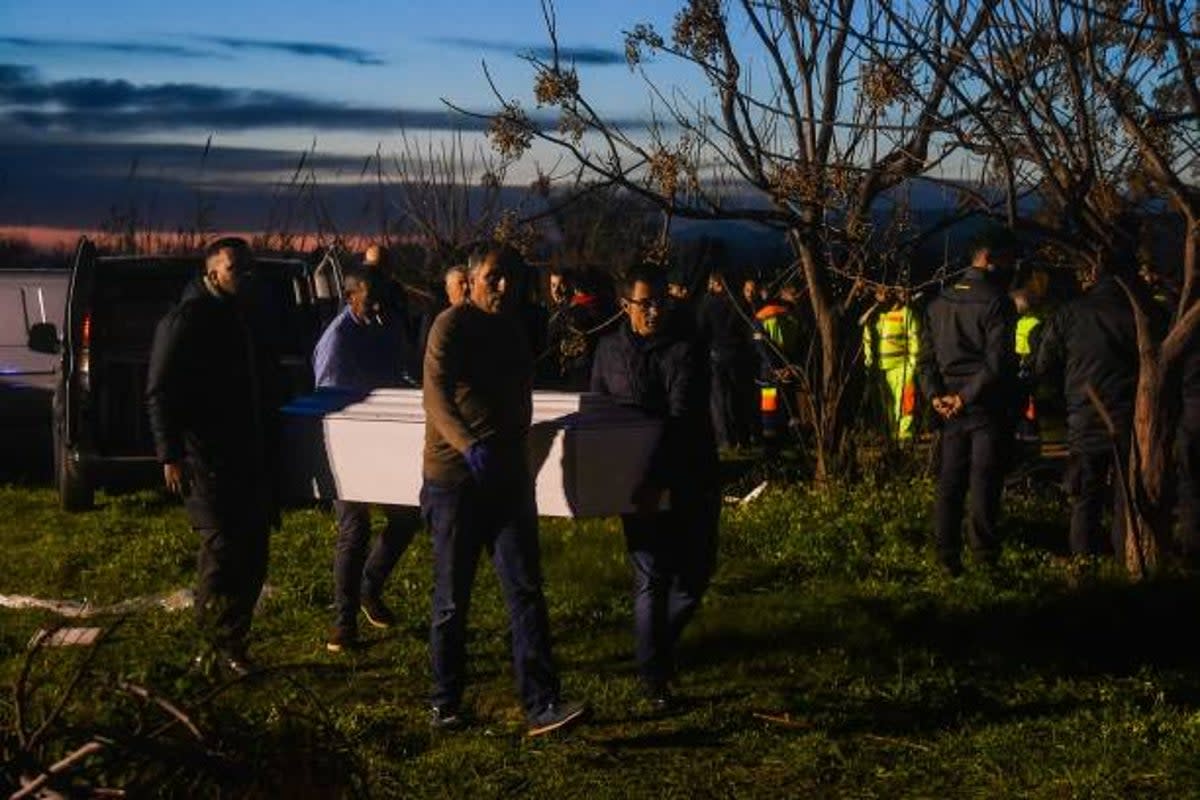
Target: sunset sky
x,y
92,92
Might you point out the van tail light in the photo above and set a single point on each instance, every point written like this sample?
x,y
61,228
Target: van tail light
x,y
85,356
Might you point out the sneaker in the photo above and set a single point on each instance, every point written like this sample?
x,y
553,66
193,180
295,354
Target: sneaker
x,y
377,613
557,716
341,639
447,718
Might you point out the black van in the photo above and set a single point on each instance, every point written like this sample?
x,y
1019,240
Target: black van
x,y
101,431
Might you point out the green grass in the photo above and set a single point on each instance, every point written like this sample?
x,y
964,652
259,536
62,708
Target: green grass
x,y
831,659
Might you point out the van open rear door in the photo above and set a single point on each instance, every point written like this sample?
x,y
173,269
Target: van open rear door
x,y
75,493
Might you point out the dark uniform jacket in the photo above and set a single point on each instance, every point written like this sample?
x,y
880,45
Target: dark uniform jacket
x,y
662,376
213,391
726,332
967,349
1093,340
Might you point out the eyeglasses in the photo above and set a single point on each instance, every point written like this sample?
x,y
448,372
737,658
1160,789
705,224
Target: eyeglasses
x,y
647,303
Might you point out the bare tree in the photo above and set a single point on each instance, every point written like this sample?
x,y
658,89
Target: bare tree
x,y
1088,109
806,131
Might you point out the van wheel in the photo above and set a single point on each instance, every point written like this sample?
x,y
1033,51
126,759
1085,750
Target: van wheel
x,y
74,493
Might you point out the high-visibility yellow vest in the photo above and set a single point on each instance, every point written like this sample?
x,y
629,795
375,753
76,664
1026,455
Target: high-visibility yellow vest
x,y
1026,324
892,340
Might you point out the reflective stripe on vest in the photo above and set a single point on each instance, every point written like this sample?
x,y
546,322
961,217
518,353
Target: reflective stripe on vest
x,y
893,329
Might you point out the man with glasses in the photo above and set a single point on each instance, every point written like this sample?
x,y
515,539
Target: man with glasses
x,y
212,391
478,491
646,366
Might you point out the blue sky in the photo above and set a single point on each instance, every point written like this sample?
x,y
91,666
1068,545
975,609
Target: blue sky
x,y
399,55
92,92
86,88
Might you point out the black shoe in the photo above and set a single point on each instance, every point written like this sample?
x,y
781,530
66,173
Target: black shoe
x,y
225,662
377,613
341,639
447,718
235,662
658,699
557,716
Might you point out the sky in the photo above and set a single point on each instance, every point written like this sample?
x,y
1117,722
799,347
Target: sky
x,y
94,93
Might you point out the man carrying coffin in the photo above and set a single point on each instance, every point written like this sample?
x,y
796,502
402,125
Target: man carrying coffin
x,y
478,492
646,365
363,349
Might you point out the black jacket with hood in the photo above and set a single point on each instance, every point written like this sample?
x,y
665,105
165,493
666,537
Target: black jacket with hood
x,y
213,392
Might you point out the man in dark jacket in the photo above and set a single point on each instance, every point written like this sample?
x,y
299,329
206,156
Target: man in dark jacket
x,y
673,553
724,327
574,328
361,350
378,262
478,492
968,369
213,391
1092,341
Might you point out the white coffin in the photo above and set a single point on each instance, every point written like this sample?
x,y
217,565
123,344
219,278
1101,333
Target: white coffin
x,y
586,452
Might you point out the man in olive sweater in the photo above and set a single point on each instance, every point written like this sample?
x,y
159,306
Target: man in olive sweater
x,y
478,491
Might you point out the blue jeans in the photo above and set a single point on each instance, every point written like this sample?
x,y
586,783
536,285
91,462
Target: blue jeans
x,y
357,574
465,519
673,555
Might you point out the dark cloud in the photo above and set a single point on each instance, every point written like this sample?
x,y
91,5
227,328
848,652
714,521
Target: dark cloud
x,y
337,52
122,47
80,184
244,116
595,56
93,105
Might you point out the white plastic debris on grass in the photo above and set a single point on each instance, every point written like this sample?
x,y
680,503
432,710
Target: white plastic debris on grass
x,y
178,600
65,637
750,497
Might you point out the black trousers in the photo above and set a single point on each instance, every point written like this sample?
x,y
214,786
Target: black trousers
x,y
974,458
673,554
230,570
358,572
731,399
1092,483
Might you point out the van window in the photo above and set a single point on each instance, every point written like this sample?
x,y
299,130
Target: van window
x,y
129,299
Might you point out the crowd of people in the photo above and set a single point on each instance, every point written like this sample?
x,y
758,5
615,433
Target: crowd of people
x,y
719,370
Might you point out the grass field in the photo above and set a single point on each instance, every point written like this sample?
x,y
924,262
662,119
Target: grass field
x,y
831,659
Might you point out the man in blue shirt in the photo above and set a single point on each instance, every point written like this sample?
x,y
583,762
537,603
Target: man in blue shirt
x,y
363,349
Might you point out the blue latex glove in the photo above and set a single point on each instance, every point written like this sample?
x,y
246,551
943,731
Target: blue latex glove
x,y
479,457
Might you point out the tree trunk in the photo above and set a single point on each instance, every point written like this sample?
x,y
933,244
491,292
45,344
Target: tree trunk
x,y
826,378
1148,517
